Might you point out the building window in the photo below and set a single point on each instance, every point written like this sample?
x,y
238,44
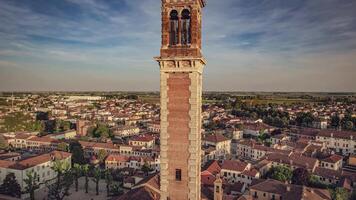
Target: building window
x,y
178,174
186,37
173,33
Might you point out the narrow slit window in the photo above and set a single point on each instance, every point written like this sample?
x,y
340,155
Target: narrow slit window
x,y
178,174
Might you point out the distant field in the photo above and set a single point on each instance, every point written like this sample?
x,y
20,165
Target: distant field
x,y
278,101
149,99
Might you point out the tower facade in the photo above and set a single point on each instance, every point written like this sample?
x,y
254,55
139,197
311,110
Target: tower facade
x,y
181,66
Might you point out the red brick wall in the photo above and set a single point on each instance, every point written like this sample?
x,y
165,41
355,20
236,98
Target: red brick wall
x,y
178,130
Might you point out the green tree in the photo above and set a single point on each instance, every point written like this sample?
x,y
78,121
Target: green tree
x,y
300,176
76,171
77,152
102,155
335,121
116,190
3,143
315,182
31,183
305,119
62,125
10,186
18,121
349,125
280,173
35,126
62,146
102,131
339,194
60,189
96,179
145,168
85,170
108,181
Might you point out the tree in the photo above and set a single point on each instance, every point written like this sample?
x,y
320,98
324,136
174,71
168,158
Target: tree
x,y
10,186
108,180
305,119
77,152
280,173
62,125
3,142
85,170
116,190
315,182
349,125
19,121
145,168
300,176
339,194
96,179
335,121
62,146
31,183
76,171
60,189
102,131
102,155
36,126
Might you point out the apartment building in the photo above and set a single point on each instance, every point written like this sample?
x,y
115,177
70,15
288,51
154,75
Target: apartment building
x,y
275,190
218,144
40,164
343,142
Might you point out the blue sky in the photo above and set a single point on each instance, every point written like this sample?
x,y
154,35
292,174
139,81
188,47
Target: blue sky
x,y
250,45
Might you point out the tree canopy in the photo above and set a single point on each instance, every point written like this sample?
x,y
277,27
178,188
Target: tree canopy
x,y
10,186
280,173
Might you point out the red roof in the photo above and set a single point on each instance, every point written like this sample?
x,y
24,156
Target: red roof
x,y
234,165
215,138
33,161
333,159
213,168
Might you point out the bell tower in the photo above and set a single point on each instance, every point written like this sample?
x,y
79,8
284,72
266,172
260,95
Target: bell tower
x,y
181,67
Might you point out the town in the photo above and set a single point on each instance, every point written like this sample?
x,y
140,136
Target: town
x,y
106,145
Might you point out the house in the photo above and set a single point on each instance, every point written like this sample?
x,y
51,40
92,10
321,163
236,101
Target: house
x,y
145,140
126,131
64,135
293,160
343,142
236,171
146,189
121,161
40,164
154,127
333,162
275,190
218,144
252,150
255,129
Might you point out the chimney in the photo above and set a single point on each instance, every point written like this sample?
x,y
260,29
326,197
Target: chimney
x,y
218,190
288,188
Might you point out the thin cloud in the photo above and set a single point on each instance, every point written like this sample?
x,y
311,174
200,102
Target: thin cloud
x,y
256,45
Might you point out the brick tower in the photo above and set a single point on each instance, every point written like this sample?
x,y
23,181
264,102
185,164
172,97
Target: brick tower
x,y
181,66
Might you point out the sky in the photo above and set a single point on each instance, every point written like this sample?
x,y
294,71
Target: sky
x,y
109,45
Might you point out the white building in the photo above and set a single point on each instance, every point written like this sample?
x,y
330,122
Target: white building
x,y
40,164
